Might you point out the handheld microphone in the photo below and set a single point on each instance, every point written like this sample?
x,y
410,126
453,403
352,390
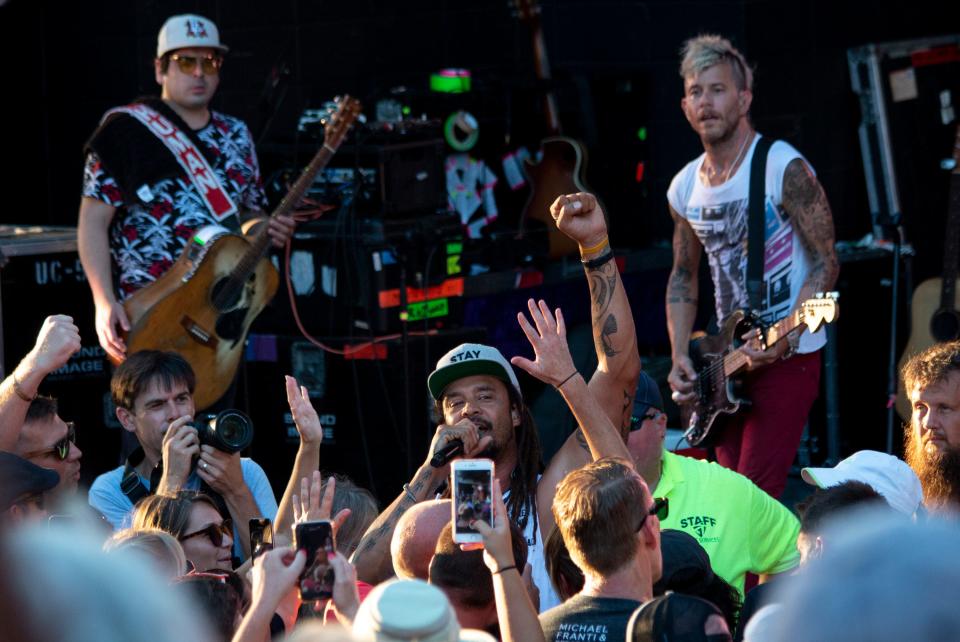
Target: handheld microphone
x,y
448,452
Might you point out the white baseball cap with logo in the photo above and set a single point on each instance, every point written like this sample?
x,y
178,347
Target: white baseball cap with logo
x,y
469,359
188,30
889,476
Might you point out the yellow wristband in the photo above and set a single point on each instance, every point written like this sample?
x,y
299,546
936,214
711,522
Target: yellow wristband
x,y
596,248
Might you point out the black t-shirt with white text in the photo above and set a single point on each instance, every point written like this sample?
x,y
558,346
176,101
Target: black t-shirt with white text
x,y
585,618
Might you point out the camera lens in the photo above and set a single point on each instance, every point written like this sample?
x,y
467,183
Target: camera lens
x,y
230,428
232,431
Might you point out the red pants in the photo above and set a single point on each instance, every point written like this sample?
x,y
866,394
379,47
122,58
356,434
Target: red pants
x,y
761,440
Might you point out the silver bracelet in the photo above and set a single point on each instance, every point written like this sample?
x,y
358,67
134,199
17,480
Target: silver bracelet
x,y
406,489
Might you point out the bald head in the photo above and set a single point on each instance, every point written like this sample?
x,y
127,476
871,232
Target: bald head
x,y
415,538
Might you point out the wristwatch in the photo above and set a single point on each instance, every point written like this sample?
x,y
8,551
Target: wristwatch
x,y
793,342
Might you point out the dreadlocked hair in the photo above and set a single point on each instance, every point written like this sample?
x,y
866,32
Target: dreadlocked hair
x,y
521,503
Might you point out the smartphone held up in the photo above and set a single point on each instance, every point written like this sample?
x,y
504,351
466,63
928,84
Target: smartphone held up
x,y
261,536
472,498
316,538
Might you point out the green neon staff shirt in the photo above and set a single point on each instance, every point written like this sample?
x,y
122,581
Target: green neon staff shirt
x,y
742,528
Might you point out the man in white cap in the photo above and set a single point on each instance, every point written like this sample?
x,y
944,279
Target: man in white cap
x,y
889,476
478,397
158,170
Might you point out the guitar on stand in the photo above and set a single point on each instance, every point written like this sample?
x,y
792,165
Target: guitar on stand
x,y
935,307
717,360
202,307
563,160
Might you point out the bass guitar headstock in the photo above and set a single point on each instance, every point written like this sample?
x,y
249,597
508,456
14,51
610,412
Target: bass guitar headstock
x,y
823,308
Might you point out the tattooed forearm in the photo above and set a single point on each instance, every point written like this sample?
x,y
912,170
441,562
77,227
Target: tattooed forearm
x,y
415,488
386,522
372,539
679,289
682,287
603,285
607,331
806,203
581,439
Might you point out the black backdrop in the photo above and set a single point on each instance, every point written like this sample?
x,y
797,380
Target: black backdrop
x,y
615,64
614,60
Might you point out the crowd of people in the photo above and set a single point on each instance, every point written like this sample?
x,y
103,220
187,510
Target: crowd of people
x,y
614,538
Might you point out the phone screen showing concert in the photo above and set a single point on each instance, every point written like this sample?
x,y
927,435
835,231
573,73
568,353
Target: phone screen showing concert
x,y
316,538
472,500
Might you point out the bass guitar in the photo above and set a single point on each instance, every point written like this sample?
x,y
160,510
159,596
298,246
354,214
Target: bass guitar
x,y
934,308
563,160
202,307
717,359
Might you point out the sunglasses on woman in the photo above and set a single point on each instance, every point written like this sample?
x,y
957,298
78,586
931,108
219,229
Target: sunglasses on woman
x,y
214,531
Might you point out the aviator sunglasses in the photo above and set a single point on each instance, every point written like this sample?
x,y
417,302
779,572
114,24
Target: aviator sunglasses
x,y
210,65
214,531
61,449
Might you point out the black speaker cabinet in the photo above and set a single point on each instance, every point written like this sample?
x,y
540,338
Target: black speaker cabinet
x,y
401,176
41,275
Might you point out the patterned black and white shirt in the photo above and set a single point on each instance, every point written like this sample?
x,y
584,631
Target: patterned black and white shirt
x,y
151,227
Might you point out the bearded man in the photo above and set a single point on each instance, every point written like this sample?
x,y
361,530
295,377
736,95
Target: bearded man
x,y
932,441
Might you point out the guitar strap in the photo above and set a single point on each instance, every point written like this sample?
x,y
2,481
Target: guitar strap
x,y
756,226
187,155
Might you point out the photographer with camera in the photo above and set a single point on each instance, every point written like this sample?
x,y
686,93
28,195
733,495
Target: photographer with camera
x,y
153,393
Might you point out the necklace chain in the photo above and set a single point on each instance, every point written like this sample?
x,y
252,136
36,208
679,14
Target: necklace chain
x,y
739,156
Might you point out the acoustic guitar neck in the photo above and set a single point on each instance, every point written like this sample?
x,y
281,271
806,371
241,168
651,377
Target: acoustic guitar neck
x,y
335,131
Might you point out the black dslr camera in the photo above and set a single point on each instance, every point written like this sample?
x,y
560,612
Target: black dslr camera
x,y
230,430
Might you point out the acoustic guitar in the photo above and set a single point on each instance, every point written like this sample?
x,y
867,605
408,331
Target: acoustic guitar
x,y
202,307
563,160
717,359
934,308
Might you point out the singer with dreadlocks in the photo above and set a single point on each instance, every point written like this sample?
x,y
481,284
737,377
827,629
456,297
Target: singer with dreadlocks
x,y
483,412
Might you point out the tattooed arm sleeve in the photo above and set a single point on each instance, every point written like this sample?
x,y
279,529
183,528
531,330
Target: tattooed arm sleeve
x,y
806,203
615,341
372,558
682,286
